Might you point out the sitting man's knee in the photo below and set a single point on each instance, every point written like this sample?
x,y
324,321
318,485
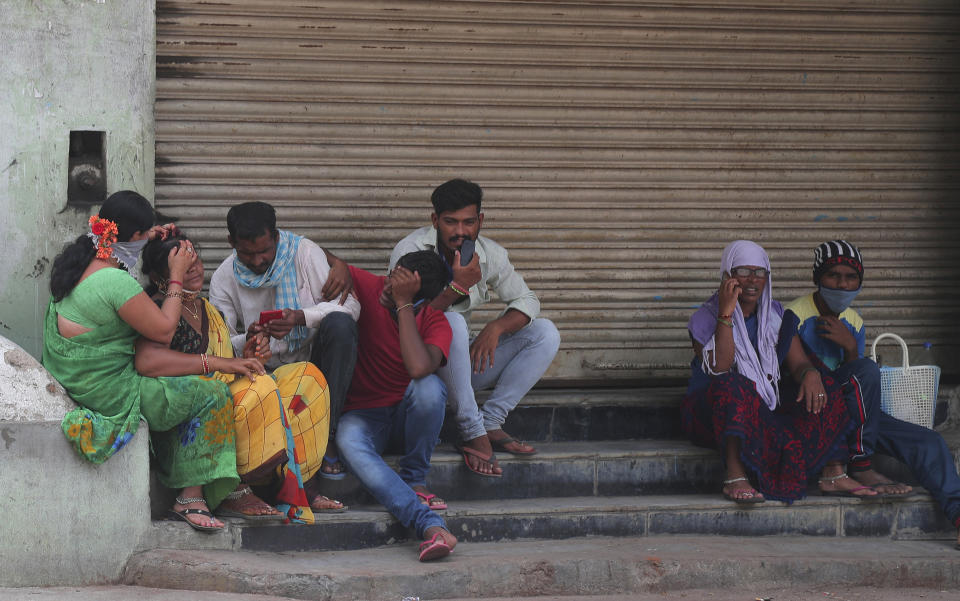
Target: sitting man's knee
x,y
429,392
547,333
865,369
457,324
338,323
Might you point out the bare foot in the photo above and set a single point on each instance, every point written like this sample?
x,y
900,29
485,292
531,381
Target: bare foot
x,y
833,480
323,503
881,483
243,501
502,441
477,464
429,499
194,494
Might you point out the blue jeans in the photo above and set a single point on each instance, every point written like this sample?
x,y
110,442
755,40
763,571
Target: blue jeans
x,y
520,360
413,424
923,451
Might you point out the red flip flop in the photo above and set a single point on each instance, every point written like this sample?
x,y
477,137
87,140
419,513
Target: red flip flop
x,y
427,497
435,548
491,459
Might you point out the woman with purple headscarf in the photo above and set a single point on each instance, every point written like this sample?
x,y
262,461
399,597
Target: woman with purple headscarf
x,y
780,430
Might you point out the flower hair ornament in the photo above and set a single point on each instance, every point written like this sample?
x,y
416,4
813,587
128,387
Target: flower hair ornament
x,y
103,232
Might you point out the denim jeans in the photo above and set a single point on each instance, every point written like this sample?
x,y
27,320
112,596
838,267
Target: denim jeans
x,y
520,360
334,351
412,425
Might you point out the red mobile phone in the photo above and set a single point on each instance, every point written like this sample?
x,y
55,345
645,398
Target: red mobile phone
x,y
268,316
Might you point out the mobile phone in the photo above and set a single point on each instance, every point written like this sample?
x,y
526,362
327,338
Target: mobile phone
x,y
466,251
268,316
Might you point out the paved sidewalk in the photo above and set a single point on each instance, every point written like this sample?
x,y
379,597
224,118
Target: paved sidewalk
x,y
127,593
580,566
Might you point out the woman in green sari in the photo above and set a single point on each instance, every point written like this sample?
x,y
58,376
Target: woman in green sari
x,y
96,312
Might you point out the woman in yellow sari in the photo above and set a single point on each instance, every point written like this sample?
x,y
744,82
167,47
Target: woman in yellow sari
x,y
282,419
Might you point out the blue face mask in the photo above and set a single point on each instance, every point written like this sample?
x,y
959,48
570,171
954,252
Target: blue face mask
x,y
838,300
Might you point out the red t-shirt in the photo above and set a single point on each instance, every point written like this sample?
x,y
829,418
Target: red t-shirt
x,y
380,378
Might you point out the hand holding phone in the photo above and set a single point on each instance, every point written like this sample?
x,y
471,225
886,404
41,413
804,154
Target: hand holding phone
x,y
466,251
268,316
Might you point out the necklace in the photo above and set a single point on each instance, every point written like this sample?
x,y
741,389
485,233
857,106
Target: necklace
x,y
194,313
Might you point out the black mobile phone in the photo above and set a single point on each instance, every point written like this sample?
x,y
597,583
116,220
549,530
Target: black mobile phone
x,y
466,251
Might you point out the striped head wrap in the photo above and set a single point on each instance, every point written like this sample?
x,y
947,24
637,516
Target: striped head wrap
x,y
836,252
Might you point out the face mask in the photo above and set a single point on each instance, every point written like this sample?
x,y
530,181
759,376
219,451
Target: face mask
x,y
838,300
128,252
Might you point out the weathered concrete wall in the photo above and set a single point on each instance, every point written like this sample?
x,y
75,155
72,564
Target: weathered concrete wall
x,y
65,520
67,65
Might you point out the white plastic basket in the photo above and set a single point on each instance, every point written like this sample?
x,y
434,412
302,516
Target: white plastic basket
x,y
909,392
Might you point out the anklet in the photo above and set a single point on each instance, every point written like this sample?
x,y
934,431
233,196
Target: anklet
x,y
740,479
188,500
239,493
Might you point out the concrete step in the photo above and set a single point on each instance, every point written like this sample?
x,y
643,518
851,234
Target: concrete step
x,y
578,566
916,517
562,469
567,414
567,469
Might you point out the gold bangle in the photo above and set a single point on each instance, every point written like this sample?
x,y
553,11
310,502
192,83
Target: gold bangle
x,y
803,374
724,322
404,306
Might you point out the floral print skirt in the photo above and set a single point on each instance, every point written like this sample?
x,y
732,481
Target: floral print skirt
x,y
192,433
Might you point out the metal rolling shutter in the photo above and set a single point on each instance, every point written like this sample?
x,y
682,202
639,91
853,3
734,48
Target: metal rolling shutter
x,y
620,145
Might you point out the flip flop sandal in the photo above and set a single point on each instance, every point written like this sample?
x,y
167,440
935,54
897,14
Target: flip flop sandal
x,y
501,445
491,459
846,493
182,515
892,495
427,497
233,513
753,499
333,475
236,495
340,508
435,548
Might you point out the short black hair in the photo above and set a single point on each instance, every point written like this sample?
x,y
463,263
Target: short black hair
x,y
249,220
434,273
456,194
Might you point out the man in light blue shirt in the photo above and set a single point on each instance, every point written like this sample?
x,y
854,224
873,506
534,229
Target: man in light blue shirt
x,y
510,353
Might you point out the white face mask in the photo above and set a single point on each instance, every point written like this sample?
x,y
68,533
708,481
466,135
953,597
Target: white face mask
x,y
128,252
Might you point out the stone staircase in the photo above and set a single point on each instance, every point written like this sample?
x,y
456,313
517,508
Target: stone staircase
x,y
612,463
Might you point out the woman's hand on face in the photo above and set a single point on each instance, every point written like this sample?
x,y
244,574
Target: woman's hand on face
x,y
812,392
729,294
180,259
250,368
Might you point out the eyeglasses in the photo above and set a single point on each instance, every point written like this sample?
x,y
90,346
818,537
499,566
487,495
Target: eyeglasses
x,y
745,272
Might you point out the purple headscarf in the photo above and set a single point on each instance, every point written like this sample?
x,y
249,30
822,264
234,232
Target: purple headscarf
x,y
763,369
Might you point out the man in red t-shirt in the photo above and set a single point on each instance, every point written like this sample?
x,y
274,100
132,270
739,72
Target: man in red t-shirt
x,y
395,399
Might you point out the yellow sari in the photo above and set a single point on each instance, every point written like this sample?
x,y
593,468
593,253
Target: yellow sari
x,y
282,422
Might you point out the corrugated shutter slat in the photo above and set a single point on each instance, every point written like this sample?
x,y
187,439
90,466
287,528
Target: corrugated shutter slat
x,y
620,145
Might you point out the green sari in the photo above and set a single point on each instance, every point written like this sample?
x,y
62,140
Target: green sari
x,y
190,417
